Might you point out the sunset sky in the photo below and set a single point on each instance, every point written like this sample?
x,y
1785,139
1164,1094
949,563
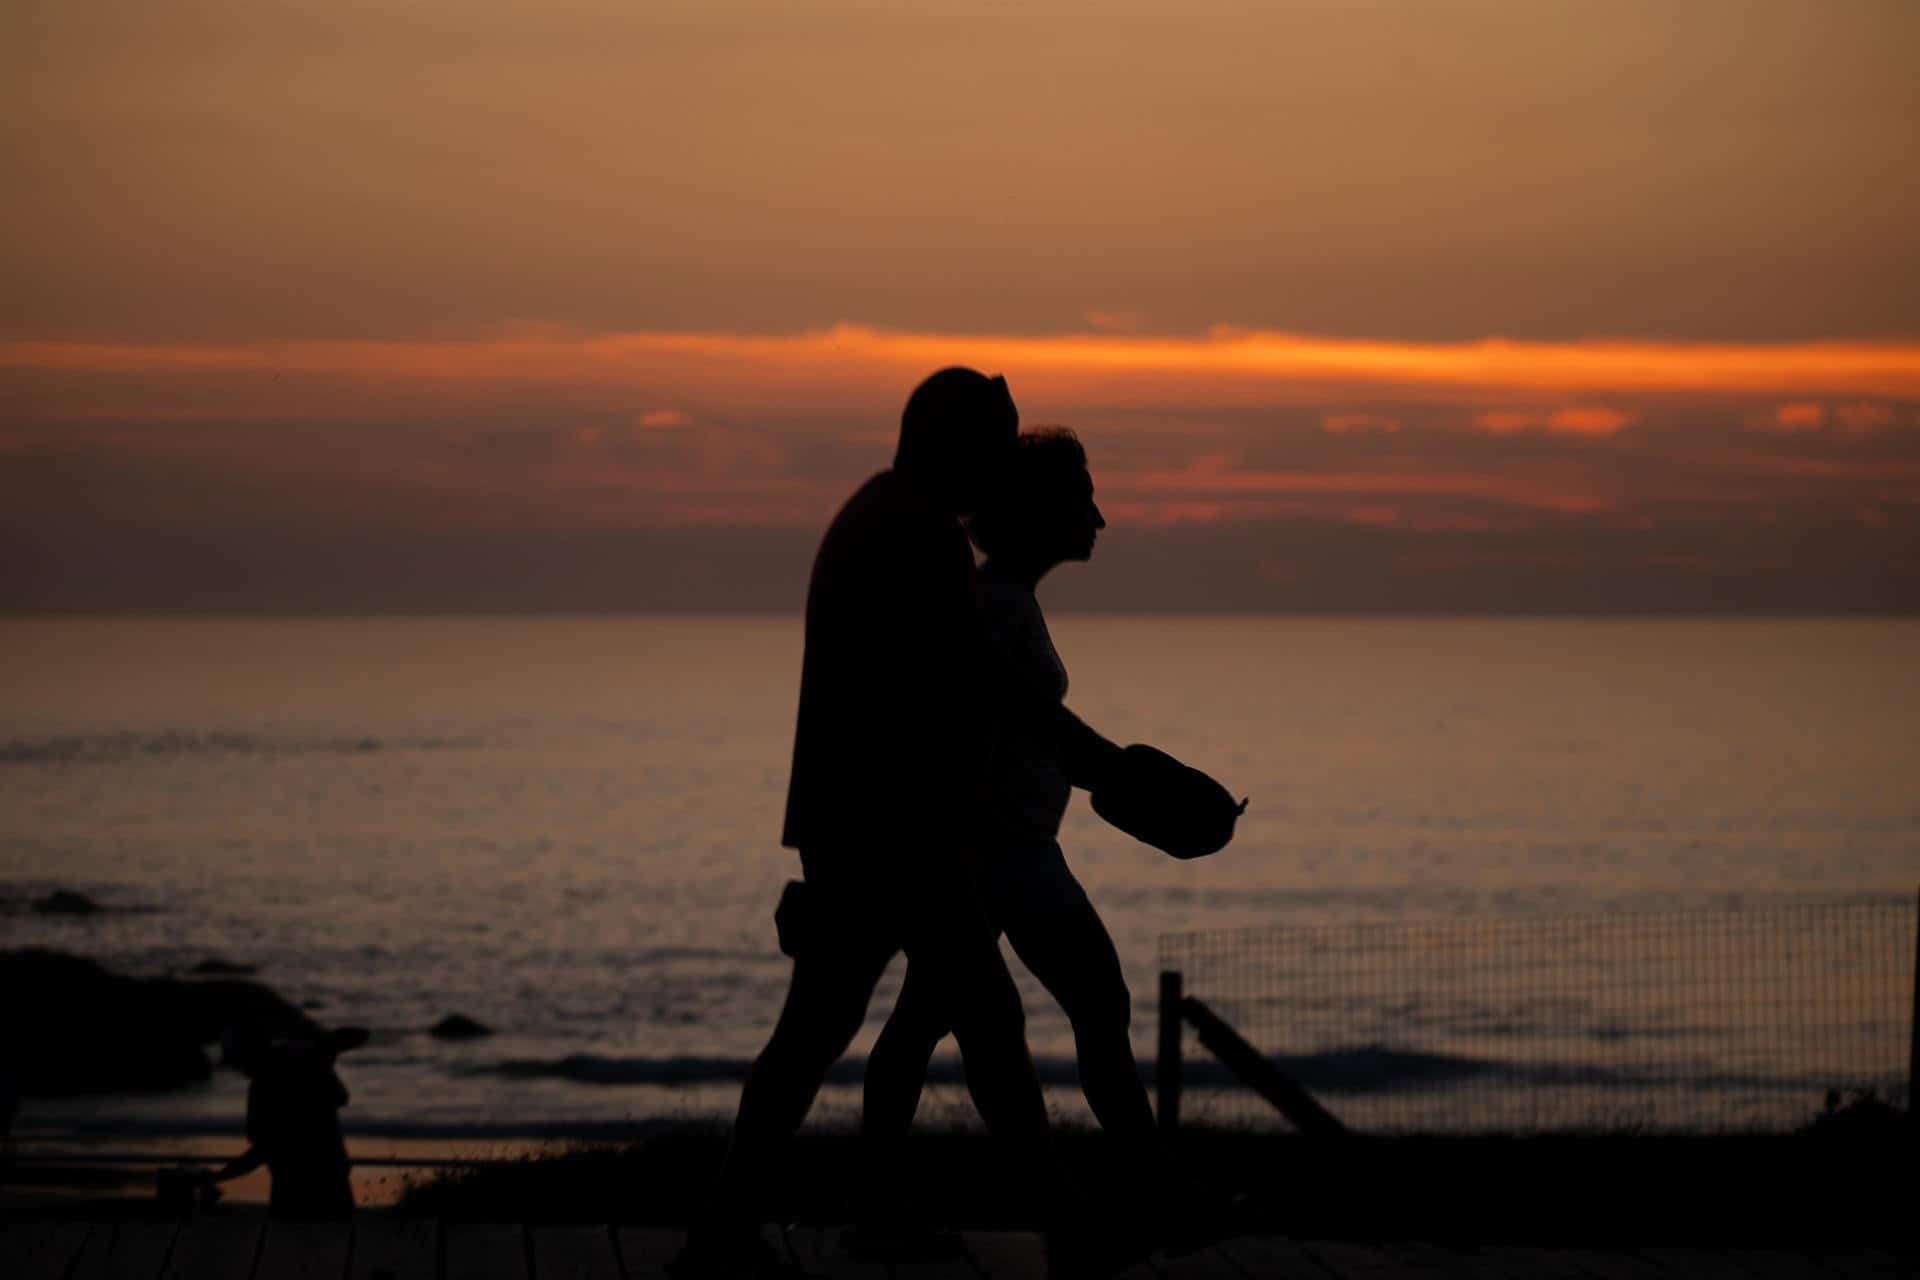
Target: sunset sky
x,y
598,304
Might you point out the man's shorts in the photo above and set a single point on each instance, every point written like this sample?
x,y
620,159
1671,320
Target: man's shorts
x,y
864,902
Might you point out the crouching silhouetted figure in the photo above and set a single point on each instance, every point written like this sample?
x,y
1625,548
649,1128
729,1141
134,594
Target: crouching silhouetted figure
x,y
294,1098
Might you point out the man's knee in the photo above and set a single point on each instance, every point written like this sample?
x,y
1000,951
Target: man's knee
x,y
804,1045
824,1011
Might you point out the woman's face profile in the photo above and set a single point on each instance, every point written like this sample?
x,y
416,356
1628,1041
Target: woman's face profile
x,y
1044,515
1074,521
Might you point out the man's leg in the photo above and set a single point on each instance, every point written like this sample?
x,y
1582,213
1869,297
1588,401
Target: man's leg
x,y
833,979
888,1221
955,953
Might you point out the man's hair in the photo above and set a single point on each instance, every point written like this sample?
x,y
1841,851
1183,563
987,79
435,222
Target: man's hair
x,y
1044,461
951,415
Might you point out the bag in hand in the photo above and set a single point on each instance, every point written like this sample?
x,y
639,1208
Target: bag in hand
x,y
1159,801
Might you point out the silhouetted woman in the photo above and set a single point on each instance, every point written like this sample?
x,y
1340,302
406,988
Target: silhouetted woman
x,y
1044,516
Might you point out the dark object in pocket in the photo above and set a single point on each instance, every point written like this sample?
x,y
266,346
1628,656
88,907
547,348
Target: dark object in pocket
x,y
795,920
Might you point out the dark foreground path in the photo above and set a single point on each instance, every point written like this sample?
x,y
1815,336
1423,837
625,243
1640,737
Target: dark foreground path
x,y
377,1247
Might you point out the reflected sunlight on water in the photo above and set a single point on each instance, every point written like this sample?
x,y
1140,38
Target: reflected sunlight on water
x,y
567,828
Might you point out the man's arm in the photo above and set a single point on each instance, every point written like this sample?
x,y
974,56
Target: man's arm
x,y
932,593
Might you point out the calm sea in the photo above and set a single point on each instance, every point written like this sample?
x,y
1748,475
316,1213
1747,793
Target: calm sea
x,y
568,828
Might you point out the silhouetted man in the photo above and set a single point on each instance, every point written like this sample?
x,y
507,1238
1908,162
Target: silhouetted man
x,y
294,1098
898,692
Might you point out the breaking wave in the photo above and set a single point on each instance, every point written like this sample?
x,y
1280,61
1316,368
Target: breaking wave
x,y
1359,1070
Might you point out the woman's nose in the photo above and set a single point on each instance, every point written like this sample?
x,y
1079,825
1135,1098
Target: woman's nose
x,y
1099,521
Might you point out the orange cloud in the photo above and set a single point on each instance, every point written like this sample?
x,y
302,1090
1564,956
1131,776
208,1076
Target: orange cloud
x,y
1505,421
1800,417
1578,420
1858,417
1864,417
1581,421
1215,476
851,367
1341,424
1115,321
728,428
1163,513
1891,472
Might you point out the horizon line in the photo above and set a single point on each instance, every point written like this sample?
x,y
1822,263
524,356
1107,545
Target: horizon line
x,y
744,612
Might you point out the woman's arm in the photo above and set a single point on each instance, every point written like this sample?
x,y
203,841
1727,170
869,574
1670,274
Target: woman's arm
x,y
1085,756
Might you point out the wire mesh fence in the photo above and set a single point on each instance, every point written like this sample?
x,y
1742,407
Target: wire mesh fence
x,y
1695,1022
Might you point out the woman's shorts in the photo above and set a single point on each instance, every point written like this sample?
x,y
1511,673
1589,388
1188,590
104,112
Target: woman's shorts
x,y
1029,882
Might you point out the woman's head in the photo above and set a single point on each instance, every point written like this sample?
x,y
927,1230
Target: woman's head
x,y
1042,512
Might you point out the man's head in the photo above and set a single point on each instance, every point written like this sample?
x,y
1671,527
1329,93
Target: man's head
x,y
1042,512
956,434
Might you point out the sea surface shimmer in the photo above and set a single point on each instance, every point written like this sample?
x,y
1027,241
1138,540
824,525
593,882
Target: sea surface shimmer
x,y
568,828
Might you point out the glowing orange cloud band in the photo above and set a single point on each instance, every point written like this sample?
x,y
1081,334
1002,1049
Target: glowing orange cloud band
x,y
1223,367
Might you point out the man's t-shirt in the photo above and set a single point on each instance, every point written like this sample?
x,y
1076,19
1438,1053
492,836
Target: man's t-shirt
x,y
890,743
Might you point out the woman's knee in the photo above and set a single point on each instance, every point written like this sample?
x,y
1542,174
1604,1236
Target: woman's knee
x,y
991,1009
918,1028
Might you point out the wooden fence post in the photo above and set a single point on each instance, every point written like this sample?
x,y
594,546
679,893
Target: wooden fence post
x,y
1166,1076
1913,1035
1260,1075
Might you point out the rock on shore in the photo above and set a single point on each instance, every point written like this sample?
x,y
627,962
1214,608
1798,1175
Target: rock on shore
x,y
215,967
69,1026
66,902
458,1026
